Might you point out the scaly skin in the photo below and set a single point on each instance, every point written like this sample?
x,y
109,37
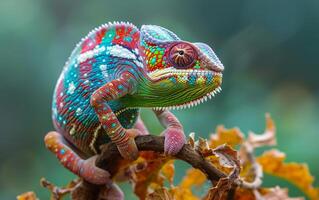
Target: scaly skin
x,y
115,70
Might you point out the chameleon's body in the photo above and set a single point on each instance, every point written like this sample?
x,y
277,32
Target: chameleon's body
x,y
115,70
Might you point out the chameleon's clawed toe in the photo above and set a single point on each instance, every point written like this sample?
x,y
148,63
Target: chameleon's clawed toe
x,y
174,141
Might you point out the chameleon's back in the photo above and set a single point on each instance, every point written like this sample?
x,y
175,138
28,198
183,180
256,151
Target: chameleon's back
x,y
90,66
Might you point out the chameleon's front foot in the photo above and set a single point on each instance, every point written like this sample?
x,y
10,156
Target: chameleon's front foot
x,y
174,134
174,140
128,149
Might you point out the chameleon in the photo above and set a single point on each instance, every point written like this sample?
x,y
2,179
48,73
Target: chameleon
x,y
112,73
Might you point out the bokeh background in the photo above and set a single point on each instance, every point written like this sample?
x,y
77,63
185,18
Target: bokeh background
x,y
269,49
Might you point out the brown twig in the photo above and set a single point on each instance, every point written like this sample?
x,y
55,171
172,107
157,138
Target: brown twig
x,y
110,158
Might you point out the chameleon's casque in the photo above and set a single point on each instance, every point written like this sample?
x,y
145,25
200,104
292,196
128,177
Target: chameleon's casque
x,y
115,70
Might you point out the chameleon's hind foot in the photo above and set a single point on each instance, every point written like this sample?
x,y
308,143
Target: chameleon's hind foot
x,y
111,192
139,125
85,169
93,174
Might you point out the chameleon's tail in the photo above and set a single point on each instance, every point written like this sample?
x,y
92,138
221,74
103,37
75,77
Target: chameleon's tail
x,y
86,169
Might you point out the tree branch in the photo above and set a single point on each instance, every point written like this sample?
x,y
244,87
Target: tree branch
x,y
110,156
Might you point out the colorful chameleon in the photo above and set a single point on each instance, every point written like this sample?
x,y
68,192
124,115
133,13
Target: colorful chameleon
x,y
112,73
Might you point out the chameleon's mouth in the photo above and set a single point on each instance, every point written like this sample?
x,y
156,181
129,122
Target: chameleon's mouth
x,y
207,83
193,102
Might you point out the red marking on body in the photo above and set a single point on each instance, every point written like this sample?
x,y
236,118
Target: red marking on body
x,y
100,35
124,32
88,44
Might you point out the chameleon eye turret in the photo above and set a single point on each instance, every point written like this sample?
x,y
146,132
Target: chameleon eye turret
x,y
182,55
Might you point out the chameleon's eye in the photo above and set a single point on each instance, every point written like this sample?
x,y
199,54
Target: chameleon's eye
x,y
182,55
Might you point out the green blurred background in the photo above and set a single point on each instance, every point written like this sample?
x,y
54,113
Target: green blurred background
x,y
269,49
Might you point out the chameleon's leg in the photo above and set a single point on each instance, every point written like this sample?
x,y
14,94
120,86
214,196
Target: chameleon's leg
x,y
111,192
174,134
123,138
85,169
139,125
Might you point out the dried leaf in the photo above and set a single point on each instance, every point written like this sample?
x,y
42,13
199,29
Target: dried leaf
x,y
276,193
298,174
159,194
57,193
231,137
180,193
191,139
203,147
267,138
193,177
227,156
217,192
244,194
168,170
144,174
27,196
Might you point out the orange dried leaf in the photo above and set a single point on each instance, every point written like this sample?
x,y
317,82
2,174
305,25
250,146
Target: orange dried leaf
x,y
180,193
272,163
231,137
203,147
194,177
227,156
267,138
27,196
159,194
145,173
217,192
244,194
58,193
168,170
277,193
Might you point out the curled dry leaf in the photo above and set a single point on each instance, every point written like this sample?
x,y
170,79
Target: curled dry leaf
x,y
27,196
145,173
193,177
220,190
58,193
231,137
276,193
160,194
168,170
268,138
227,156
251,171
191,140
203,147
272,162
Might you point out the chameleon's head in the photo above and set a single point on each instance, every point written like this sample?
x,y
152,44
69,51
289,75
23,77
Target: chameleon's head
x,y
183,74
